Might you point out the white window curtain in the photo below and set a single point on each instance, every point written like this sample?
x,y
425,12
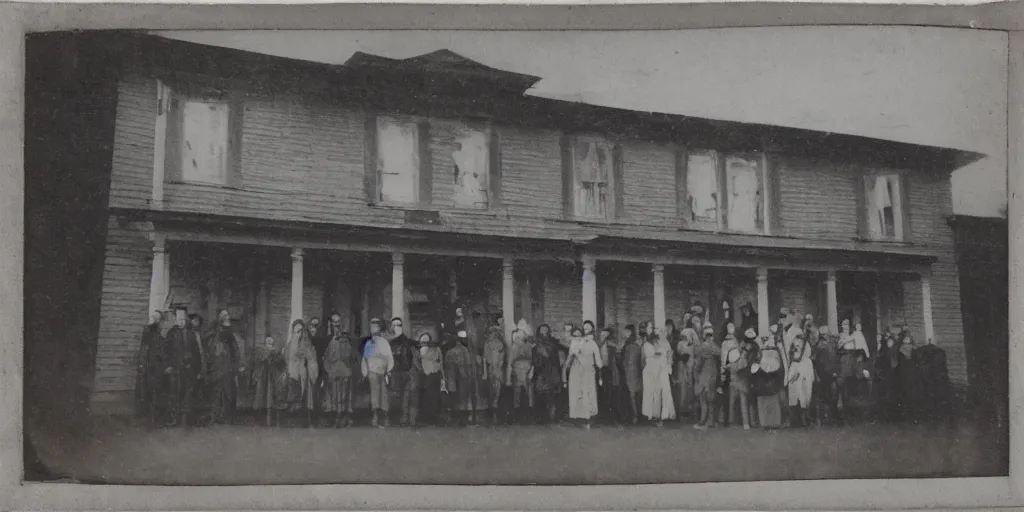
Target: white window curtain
x,y
204,144
472,169
744,187
397,160
884,209
593,169
702,188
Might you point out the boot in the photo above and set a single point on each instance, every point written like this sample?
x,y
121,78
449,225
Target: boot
x,y
413,413
375,421
387,419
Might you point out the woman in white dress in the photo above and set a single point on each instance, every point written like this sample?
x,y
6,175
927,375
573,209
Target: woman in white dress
x,y
581,374
657,361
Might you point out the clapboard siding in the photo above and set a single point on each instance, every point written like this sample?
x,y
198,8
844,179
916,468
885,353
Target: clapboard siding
x,y
817,199
131,178
649,177
123,304
531,170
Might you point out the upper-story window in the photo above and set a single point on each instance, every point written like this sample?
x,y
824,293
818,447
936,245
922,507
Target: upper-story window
x,y
724,191
410,166
398,160
592,170
743,179
703,197
203,138
884,214
471,158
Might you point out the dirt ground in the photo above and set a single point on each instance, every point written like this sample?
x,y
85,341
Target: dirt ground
x,y
525,454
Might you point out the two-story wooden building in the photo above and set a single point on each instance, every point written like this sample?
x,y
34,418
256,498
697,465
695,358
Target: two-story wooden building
x,y
283,189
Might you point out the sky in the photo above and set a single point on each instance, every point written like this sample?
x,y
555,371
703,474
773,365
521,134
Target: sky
x,y
935,86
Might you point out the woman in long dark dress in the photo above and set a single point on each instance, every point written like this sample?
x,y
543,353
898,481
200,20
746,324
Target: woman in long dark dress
x,y
149,376
547,371
224,364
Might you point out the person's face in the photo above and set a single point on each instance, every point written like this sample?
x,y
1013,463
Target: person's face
x,y
567,329
725,305
336,323
195,323
588,329
730,328
396,327
846,327
604,335
269,342
425,340
154,318
374,328
225,318
297,328
859,326
544,331
458,312
180,319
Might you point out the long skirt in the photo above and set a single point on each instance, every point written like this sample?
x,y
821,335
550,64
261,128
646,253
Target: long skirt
x,y
299,398
582,392
657,397
338,395
223,393
769,410
430,398
685,387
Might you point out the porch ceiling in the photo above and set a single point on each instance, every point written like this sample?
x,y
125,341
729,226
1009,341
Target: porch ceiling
x,y
685,247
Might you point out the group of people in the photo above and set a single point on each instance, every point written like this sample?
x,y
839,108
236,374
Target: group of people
x,y
711,372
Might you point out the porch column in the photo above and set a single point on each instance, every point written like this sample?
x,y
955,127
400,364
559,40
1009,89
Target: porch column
x,y
659,296
833,302
397,287
764,319
508,297
297,254
159,281
589,290
926,306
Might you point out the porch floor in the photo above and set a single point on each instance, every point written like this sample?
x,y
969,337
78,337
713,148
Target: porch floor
x,y
528,454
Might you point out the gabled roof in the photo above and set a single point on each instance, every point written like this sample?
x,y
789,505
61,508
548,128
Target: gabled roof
x,y
445,65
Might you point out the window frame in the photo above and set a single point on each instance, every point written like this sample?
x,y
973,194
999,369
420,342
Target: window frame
x,y
765,206
172,107
570,177
421,196
901,218
494,173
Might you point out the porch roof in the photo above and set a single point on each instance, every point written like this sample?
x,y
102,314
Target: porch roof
x,y
539,242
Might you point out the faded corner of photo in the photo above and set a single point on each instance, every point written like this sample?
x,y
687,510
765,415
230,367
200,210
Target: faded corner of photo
x,y
374,257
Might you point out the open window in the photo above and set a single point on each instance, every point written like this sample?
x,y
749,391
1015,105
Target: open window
x,y
884,215
398,160
203,138
592,177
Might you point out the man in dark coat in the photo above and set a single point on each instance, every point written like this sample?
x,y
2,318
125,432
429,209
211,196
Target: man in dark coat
x,y
933,386
150,377
187,361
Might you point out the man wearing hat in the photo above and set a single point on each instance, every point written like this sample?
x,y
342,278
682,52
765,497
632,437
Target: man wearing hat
x,y
377,363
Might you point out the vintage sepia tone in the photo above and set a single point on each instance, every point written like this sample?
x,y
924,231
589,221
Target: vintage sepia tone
x,y
413,269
